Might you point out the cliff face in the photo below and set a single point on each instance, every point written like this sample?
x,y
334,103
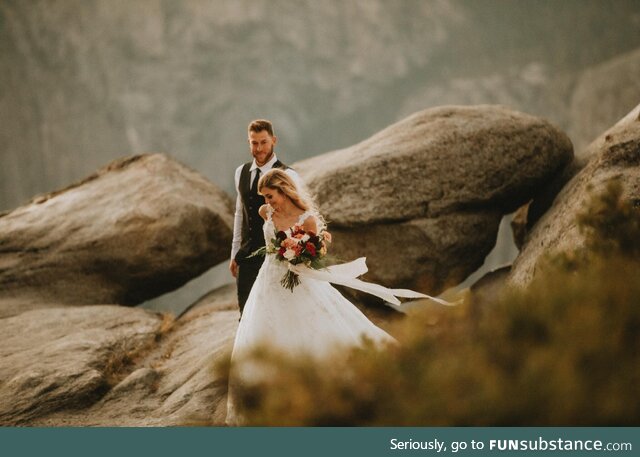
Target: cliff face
x,y
84,82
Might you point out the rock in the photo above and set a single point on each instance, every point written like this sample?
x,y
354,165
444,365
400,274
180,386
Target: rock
x,y
178,383
519,225
223,298
114,366
58,358
615,154
140,379
141,226
527,215
424,254
486,290
603,94
193,390
422,199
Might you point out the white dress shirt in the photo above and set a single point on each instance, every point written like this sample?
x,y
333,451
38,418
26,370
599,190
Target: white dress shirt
x,y
237,220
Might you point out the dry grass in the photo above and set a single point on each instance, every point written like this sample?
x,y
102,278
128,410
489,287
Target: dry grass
x,y
167,324
124,359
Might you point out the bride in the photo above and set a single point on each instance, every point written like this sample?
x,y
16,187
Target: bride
x,y
313,319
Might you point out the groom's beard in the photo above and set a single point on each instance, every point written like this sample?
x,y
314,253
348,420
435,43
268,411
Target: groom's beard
x,y
268,156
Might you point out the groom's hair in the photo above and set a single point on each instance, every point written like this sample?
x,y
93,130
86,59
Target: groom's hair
x,y
259,125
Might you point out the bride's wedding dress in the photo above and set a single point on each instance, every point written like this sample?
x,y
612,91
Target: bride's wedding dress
x,y
313,320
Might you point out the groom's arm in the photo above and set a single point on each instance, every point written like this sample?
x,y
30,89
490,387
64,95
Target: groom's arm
x,y
237,225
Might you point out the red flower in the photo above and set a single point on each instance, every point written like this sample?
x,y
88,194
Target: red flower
x,y
311,249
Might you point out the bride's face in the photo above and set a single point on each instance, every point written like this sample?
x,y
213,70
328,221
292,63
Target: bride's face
x,y
274,197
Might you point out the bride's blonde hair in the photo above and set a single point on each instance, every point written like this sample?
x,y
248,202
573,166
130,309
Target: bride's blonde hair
x,y
279,180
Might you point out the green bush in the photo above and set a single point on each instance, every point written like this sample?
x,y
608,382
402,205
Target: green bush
x,y
563,352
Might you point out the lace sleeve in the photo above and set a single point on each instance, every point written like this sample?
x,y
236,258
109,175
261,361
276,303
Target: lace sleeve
x,y
322,225
320,222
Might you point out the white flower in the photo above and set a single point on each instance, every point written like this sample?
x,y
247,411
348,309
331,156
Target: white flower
x,y
305,238
289,254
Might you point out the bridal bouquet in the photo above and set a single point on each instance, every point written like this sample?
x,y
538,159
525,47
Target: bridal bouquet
x,y
299,247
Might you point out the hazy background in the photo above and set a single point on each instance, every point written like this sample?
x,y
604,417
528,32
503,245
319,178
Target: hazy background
x,y
83,82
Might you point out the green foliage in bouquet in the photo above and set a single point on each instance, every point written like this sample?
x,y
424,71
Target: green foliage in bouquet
x,y
566,351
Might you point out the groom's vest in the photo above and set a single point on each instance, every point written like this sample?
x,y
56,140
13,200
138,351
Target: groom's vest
x,y
252,236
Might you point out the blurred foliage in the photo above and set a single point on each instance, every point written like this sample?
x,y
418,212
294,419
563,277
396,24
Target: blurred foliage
x,y
611,224
563,352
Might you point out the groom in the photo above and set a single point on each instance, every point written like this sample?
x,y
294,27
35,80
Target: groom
x,y
247,224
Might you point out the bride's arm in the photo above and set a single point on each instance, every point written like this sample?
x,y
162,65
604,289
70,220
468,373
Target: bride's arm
x,y
310,225
263,212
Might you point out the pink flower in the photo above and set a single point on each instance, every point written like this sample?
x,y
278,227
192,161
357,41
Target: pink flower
x,y
289,243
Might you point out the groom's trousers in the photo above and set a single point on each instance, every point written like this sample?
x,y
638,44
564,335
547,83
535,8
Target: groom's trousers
x,y
247,273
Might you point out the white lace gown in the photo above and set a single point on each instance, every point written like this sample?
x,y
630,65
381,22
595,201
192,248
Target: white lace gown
x,y
313,320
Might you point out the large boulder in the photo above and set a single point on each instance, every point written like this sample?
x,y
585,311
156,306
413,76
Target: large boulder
x,y
615,154
107,365
140,227
423,199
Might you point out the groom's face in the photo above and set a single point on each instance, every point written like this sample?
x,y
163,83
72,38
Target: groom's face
x,y
261,144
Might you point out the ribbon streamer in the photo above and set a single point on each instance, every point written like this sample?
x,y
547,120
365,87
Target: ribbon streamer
x,y
346,274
